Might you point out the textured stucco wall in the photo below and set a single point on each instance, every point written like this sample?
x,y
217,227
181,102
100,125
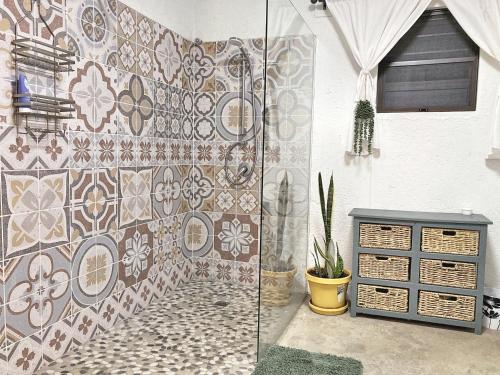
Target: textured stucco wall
x,y
428,161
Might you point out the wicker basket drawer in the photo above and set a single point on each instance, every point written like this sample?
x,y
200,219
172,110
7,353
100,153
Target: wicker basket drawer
x,y
384,267
446,273
382,298
383,236
449,306
450,241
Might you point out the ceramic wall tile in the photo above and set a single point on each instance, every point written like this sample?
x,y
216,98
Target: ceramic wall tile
x,y
19,150
106,46
57,340
84,326
222,270
145,31
204,152
126,55
126,22
135,250
25,356
106,152
236,238
105,14
53,11
81,150
127,151
108,312
54,227
202,269
20,234
166,191
168,57
53,151
145,62
246,273
204,128
161,151
7,71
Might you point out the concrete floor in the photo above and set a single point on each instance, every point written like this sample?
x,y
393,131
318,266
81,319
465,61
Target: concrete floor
x,y
387,347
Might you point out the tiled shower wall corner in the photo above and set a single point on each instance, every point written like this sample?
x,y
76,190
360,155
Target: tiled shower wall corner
x,y
93,219
130,200
113,212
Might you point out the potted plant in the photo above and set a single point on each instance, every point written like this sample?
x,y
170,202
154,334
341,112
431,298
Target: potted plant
x,y
328,280
278,273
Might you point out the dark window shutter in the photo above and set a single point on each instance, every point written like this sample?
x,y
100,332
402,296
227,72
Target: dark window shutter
x,y
432,68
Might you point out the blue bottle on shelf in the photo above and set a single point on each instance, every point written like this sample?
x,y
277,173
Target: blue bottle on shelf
x,y
23,88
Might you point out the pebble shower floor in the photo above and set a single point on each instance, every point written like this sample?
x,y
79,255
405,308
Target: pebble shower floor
x,y
185,333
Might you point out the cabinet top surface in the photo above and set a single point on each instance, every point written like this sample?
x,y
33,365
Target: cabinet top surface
x,y
451,218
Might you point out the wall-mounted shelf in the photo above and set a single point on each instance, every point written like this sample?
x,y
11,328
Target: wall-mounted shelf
x,y
33,112
42,55
44,106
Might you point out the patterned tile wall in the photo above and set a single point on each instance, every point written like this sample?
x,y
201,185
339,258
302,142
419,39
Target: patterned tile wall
x,y
223,233
131,199
94,219
289,99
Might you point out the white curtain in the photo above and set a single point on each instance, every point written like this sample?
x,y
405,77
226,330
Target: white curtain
x,y
481,21
372,28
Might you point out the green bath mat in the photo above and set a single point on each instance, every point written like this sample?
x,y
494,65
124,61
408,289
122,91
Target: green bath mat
x,y
279,360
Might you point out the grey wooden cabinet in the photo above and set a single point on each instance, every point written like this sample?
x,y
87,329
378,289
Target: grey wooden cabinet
x,y
419,266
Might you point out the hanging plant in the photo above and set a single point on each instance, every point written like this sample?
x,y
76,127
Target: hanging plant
x,y
364,122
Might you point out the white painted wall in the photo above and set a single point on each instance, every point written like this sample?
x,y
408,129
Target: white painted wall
x,y
222,19
177,15
428,161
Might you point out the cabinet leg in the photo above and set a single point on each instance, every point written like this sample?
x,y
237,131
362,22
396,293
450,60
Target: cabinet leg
x,y
479,329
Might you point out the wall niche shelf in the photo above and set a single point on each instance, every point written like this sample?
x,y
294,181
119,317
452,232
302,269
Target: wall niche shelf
x,y
35,112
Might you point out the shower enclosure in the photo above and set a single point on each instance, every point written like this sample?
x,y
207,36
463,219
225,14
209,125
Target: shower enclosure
x,y
285,176
165,227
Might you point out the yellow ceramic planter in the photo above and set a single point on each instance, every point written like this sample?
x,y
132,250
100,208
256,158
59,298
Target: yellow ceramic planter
x,y
328,296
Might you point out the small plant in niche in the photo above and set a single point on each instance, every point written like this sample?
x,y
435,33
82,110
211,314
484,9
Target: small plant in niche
x,y
328,280
364,123
278,273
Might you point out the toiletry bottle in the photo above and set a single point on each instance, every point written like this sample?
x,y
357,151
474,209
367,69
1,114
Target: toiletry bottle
x,y
23,89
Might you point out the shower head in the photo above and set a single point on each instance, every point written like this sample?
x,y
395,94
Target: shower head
x,y
237,42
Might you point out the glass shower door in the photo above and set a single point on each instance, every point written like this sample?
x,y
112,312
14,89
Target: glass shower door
x,y
286,169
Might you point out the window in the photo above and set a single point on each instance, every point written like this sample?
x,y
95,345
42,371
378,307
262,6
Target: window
x,y
432,68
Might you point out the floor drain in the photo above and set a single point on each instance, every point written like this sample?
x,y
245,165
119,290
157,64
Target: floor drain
x,y
221,303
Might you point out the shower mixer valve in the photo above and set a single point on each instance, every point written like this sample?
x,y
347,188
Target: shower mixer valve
x,y
244,170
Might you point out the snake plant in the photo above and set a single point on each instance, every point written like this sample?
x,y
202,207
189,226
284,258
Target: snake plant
x,y
279,264
327,260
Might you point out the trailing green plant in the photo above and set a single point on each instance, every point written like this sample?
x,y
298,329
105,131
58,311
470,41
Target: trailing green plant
x,y
364,123
328,262
277,263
